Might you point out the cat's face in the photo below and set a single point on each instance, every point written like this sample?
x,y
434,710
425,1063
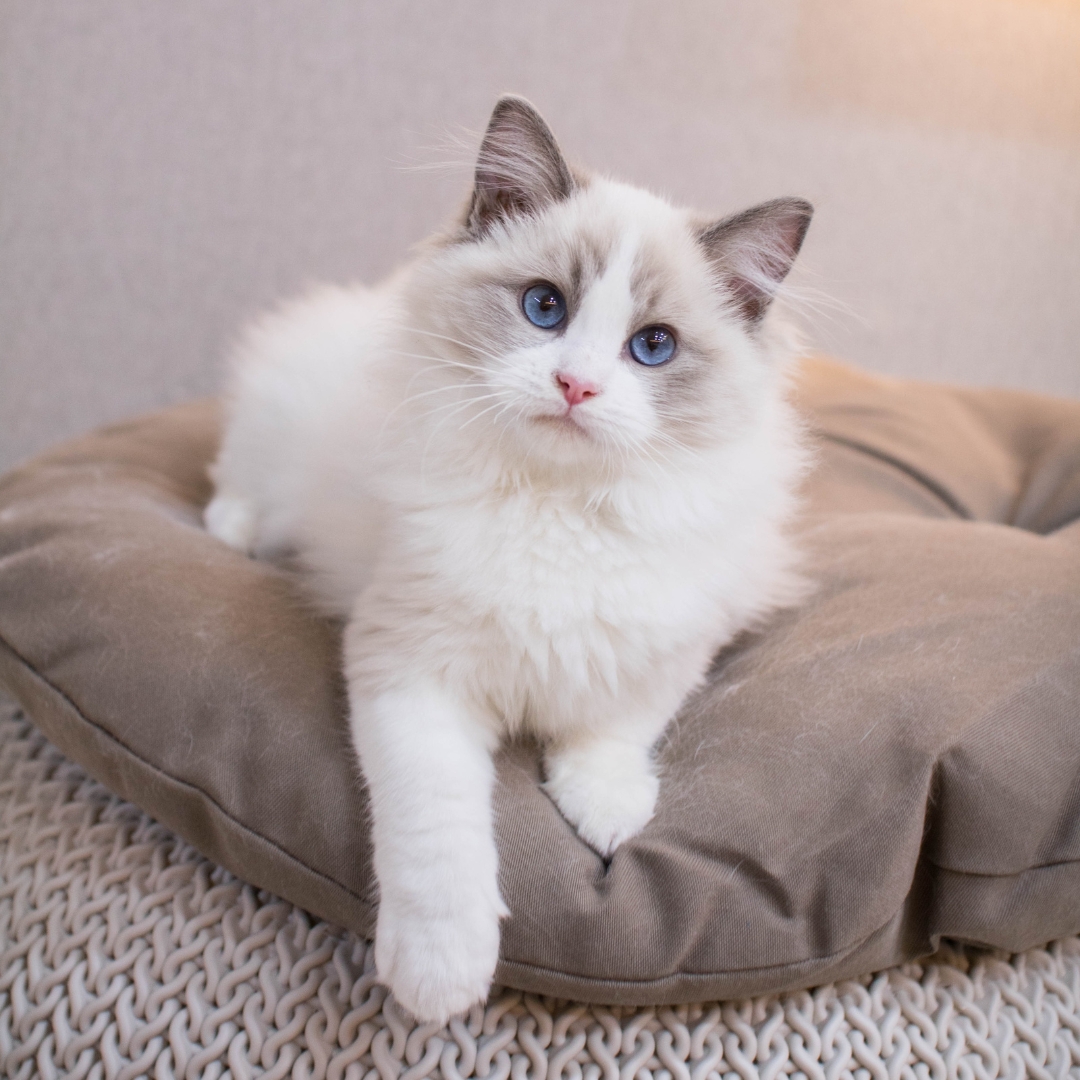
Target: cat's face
x,y
590,322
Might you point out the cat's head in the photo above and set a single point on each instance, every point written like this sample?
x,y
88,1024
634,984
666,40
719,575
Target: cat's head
x,y
587,321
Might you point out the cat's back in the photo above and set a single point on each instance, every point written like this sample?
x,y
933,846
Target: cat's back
x,y
300,358
302,378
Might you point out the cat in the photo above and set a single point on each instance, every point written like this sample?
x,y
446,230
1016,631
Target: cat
x,y
545,472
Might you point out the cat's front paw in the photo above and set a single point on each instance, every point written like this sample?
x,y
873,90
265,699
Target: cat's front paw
x,y
438,957
232,520
606,790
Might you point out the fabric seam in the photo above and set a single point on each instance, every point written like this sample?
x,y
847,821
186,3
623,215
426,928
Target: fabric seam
x,y
915,474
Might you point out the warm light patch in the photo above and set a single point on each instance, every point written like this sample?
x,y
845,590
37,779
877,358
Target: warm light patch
x,y
1010,67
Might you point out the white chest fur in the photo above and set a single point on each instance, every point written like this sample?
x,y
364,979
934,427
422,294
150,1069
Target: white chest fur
x,y
551,611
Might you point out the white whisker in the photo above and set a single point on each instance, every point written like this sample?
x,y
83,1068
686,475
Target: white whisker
x,y
462,404
409,398
483,412
438,360
456,341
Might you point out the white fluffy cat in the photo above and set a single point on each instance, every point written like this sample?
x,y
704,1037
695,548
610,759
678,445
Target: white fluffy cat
x,y
544,471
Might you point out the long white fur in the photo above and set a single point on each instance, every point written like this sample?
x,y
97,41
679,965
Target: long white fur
x,y
503,566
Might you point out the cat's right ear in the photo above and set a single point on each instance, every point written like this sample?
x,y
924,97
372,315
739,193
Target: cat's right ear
x,y
752,252
519,169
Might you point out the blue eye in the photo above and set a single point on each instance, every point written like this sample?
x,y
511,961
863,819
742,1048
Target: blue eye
x,y
653,345
544,306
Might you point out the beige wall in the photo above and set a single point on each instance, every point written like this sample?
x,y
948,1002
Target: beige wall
x,y
168,168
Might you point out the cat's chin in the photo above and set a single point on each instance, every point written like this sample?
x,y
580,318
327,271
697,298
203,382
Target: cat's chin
x,y
558,447
562,440
564,426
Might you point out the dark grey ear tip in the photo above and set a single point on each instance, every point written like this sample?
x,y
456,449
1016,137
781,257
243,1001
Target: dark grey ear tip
x,y
513,101
791,214
515,112
792,205
798,211
805,212
514,105
804,209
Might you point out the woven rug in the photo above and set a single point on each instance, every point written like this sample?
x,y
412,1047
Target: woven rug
x,y
124,953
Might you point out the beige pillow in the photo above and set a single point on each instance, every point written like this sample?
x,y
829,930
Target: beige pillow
x,y
897,761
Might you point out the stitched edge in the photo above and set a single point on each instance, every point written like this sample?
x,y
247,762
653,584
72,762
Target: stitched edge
x,y
189,787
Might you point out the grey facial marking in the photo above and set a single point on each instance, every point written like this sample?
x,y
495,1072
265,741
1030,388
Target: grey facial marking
x,y
575,284
572,267
587,261
678,392
649,283
683,390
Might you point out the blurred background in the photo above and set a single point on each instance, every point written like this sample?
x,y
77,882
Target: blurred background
x,y
168,169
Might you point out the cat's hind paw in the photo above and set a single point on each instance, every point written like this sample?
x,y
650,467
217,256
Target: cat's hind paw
x,y
232,520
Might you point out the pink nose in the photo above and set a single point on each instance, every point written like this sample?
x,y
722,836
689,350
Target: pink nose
x,y
575,390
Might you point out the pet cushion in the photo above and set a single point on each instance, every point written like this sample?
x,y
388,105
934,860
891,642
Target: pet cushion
x,y
896,761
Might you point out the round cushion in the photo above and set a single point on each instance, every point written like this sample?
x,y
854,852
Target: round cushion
x,y
894,762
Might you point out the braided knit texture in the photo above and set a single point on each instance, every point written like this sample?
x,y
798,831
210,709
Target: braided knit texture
x,y
124,953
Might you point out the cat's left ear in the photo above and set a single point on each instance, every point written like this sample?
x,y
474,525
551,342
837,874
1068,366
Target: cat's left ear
x,y
519,170
753,251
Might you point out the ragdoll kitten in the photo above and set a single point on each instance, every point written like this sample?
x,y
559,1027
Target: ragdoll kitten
x,y
544,471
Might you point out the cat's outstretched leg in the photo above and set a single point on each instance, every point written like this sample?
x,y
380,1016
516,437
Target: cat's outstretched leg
x,y
426,757
605,785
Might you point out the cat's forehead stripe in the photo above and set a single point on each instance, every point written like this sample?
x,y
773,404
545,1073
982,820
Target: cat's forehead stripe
x,y
631,275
